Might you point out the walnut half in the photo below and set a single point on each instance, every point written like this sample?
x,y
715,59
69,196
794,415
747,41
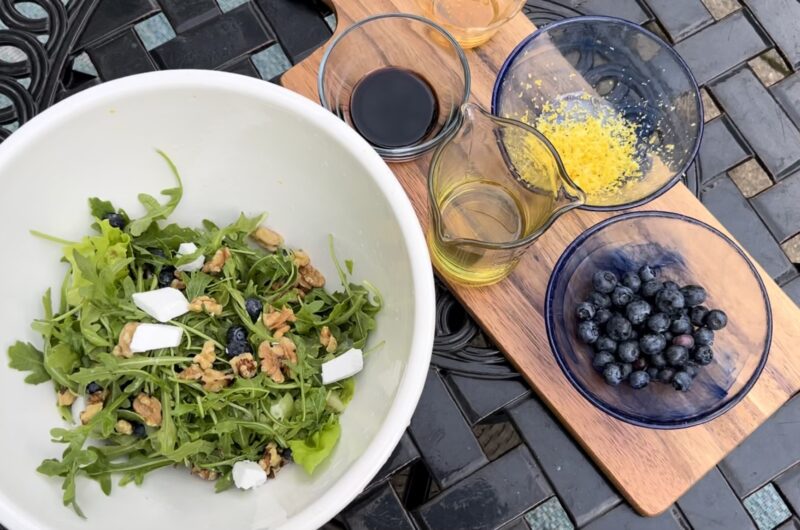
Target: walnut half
x,y
244,365
149,408
278,321
272,461
123,427
327,339
214,380
66,397
309,277
205,474
90,412
207,304
268,239
273,355
218,261
123,347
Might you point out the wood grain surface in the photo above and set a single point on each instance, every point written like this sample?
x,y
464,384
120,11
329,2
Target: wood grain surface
x,y
651,468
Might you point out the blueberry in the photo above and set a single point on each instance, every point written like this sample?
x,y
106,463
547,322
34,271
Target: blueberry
x,y
599,300
665,375
698,315
632,281
236,334
601,316
704,337
652,343
628,351
669,300
612,373
652,371
658,323
115,220
693,295
658,360
682,381
93,387
138,430
618,328
621,296
702,355
668,336
639,364
671,285
286,454
627,368
649,289
690,369
648,273
601,359
604,281
605,344
686,340
639,379
634,335
676,355
584,310
588,331
166,276
716,319
157,252
237,348
253,306
638,311
681,325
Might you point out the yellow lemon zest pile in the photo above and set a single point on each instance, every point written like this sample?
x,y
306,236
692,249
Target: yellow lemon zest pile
x,y
598,148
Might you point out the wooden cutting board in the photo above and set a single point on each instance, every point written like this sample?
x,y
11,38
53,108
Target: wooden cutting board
x,y
651,468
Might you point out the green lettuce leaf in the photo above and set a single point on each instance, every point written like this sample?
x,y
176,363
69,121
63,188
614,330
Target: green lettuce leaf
x,y
312,451
102,256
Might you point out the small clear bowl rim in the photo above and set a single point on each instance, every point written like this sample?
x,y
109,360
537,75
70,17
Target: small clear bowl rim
x,y
661,42
517,7
414,150
639,421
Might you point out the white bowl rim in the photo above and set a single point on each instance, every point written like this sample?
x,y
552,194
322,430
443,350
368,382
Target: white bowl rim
x,y
365,467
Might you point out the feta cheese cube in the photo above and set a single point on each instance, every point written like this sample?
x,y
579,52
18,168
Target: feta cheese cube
x,y
186,249
162,304
248,475
154,337
346,365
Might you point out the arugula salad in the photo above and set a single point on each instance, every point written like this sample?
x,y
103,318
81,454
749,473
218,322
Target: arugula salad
x,y
216,348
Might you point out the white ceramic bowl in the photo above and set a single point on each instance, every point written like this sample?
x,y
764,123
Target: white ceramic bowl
x,y
241,145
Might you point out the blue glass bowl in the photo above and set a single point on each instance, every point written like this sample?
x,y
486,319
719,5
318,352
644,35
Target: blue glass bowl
x,y
687,252
619,65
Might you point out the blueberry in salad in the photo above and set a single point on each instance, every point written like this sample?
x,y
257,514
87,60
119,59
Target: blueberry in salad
x,y
647,329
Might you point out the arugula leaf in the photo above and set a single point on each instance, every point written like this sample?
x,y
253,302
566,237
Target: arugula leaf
x,y
23,356
155,210
312,451
100,208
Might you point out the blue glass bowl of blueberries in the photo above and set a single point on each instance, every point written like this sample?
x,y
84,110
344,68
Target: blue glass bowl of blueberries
x,y
658,319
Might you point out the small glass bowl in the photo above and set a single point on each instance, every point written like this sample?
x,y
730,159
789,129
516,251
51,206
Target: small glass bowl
x,y
590,64
471,22
688,252
403,41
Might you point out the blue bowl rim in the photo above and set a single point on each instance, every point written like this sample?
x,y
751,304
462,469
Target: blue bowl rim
x,y
598,18
639,421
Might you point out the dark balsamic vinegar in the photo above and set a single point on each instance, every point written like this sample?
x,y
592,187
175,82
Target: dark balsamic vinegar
x,y
393,107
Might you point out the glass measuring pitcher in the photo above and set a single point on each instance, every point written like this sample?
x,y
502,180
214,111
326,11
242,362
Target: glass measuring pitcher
x,y
494,187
